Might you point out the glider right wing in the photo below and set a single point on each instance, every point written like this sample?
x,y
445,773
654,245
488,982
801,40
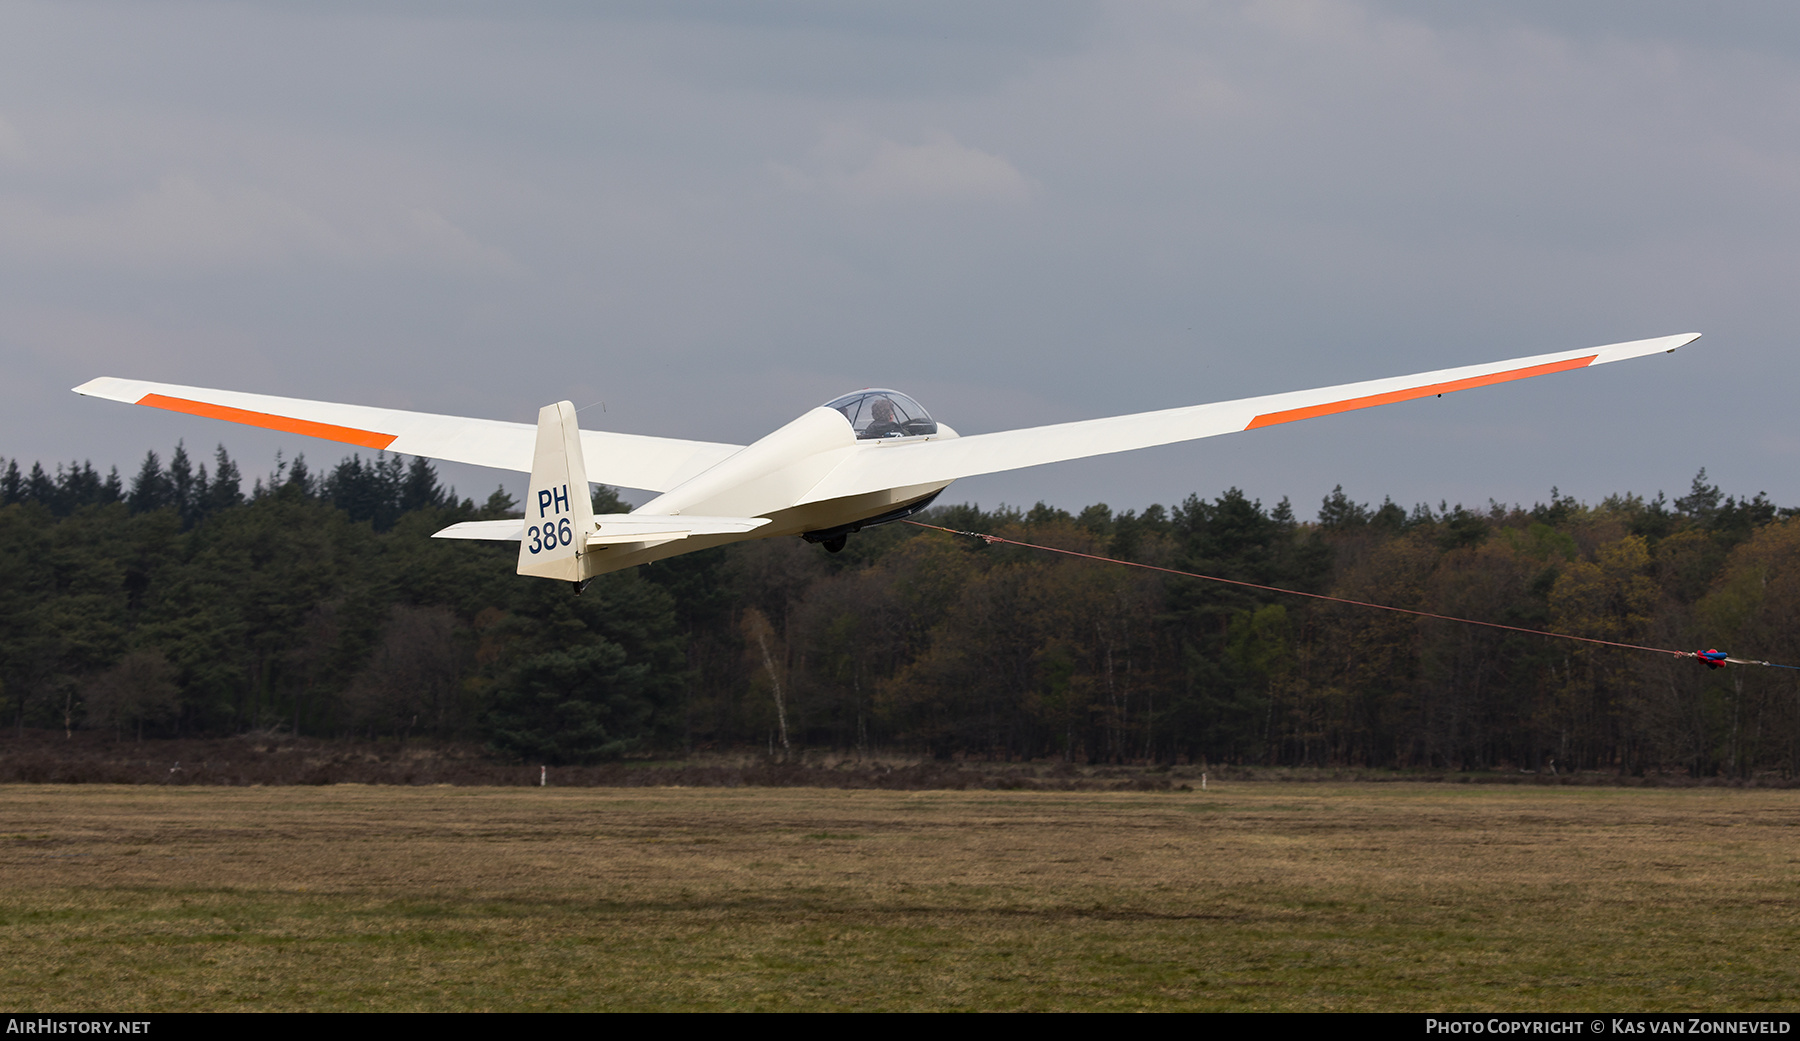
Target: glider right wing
x,y
917,463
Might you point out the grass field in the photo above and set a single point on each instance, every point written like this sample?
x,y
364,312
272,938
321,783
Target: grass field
x,y
1247,896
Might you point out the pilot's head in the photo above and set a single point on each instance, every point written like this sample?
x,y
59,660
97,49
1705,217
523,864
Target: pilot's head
x,y
881,410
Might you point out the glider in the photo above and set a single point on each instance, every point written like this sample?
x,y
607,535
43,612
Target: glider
x,y
865,458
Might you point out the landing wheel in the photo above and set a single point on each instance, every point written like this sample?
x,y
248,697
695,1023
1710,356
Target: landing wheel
x,y
835,543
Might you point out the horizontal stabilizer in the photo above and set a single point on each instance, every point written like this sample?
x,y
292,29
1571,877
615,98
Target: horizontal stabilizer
x,y
492,531
614,528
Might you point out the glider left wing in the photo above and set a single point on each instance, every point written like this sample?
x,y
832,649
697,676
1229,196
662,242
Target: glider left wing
x,y
623,460
916,463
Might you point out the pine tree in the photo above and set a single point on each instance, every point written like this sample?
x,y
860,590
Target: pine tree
x,y
1702,500
420,491
181,485
299,477
226,489
1339,513
150,488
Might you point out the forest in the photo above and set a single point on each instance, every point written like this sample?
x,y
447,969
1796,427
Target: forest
x,y
180,603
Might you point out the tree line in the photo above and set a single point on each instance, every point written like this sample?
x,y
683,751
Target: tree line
x,y
180,603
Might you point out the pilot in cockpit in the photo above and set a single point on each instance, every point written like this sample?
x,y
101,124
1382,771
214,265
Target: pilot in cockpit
x,y
881,419
881,414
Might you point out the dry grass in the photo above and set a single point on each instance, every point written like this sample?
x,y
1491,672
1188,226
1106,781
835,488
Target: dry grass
x,y
1247,896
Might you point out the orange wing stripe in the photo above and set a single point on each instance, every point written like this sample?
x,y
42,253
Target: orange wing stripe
x,y
1269,419
328,431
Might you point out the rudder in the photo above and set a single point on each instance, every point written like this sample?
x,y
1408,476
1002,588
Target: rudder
x,y
559,515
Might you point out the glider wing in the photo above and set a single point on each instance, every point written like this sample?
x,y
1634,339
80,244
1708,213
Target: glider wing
x,y
907,464
624,460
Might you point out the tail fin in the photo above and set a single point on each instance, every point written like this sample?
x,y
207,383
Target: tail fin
x,y
559,516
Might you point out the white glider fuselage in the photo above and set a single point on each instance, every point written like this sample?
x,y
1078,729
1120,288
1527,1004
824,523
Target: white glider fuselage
x,y
771,479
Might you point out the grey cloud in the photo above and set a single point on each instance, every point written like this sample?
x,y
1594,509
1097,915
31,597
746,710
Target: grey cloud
x,y
180,228
861,167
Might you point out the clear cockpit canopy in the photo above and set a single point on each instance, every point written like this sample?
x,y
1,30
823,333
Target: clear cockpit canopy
x,y
880,413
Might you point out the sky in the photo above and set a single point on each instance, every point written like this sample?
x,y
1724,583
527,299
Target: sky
x,y
702,219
